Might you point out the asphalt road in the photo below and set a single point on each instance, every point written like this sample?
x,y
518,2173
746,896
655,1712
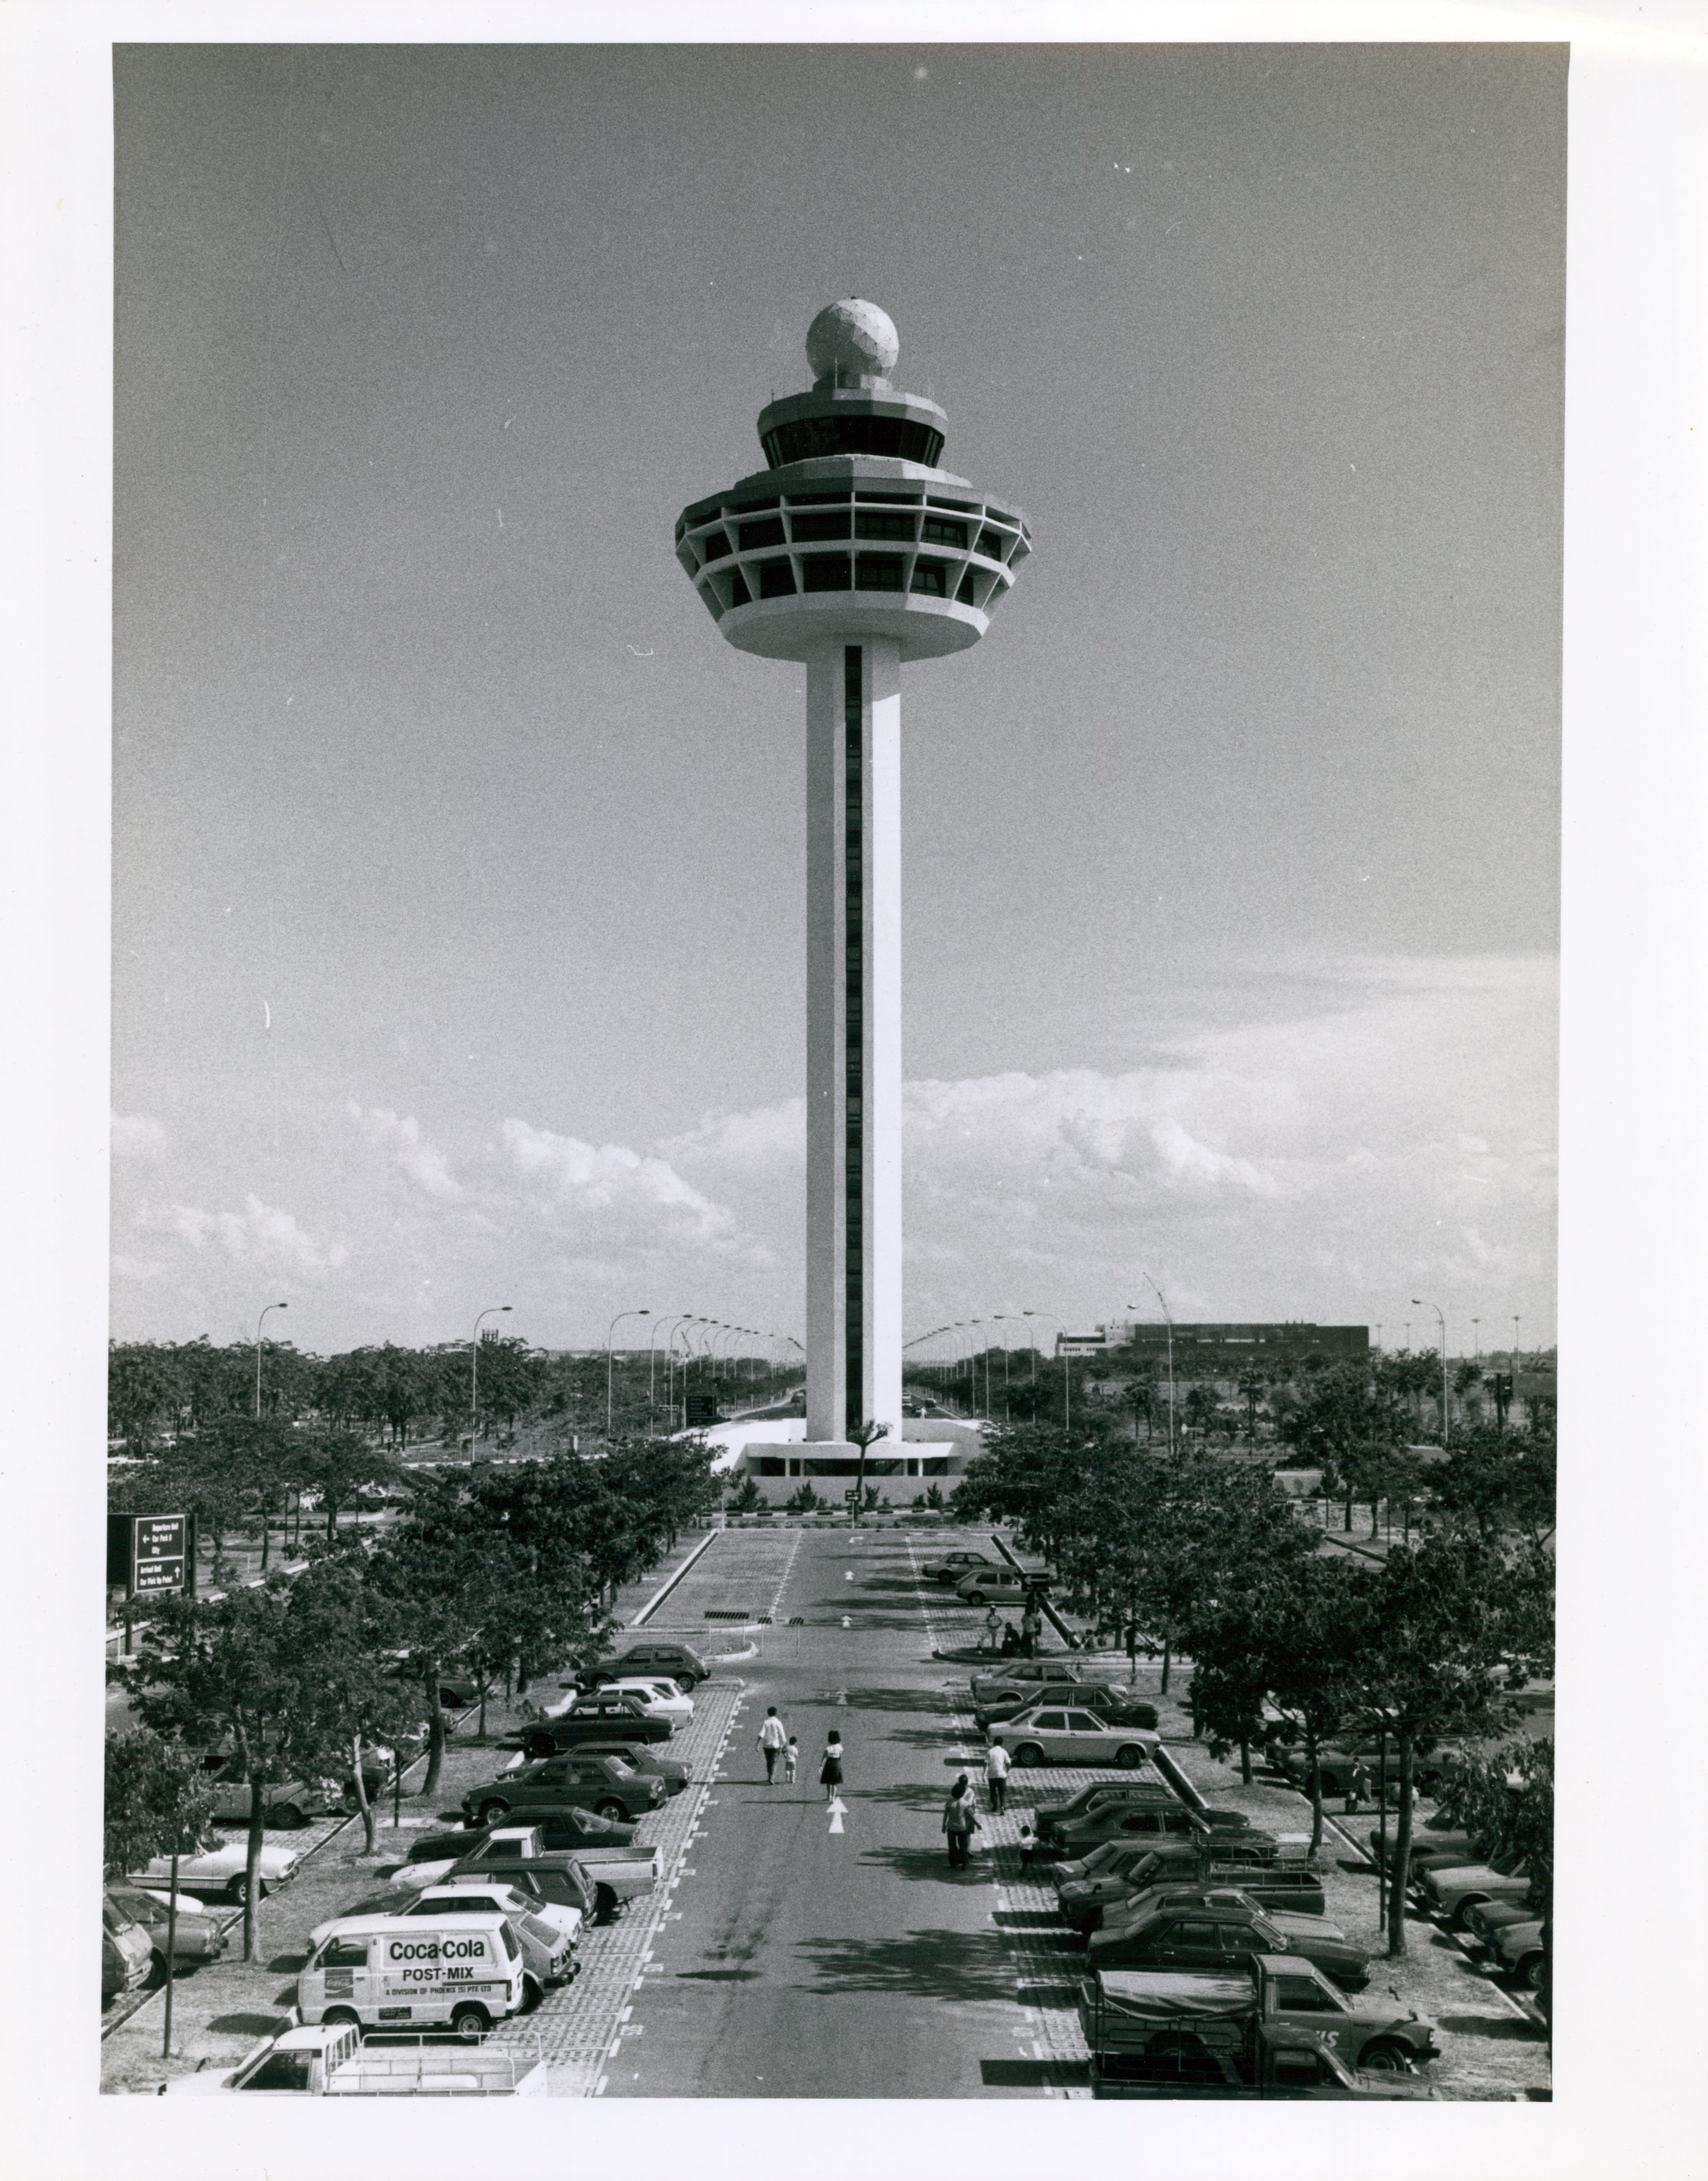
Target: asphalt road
x,y
807,1963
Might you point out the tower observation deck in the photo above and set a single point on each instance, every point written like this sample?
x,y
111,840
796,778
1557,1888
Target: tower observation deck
x,y
852,552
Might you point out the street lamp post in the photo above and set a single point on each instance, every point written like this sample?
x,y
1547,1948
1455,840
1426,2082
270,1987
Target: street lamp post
x,y
1067,1371
1477,1338
258,1323
1169,1322
1418,1303
610,1329
493,1310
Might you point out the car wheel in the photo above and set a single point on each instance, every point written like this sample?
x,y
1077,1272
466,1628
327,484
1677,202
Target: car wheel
x,y
532,1992
1459,1920
286,1816
975,1598
604,1903
541,1745
611,1807
1530,1972
1130,1757
1029,1754
470,2022
237,1890
336,2018
493,1809
1386,2058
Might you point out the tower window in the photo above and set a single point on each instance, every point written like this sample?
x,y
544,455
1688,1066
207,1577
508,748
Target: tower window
x,y
990,543
808,528
940,530
878,571
928,579
869,525
826,572
776,579
767,531
965,595
739,595
714,545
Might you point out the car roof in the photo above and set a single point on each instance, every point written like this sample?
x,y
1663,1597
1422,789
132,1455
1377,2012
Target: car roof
x,y
362,1926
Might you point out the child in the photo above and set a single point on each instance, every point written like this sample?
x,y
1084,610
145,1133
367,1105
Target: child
x,y
1029,1841
791,1758
830,1772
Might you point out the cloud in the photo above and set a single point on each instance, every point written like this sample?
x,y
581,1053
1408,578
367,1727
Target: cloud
x,y
136,1136
608,1197
409,1150
260,1231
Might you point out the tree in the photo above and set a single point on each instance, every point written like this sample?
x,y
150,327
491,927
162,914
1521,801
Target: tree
x,y
157,1803
1346,1422
338,1631
336,1466
218,1670
1507,1798
1497,1482
1452,1621
443,1579
746,1496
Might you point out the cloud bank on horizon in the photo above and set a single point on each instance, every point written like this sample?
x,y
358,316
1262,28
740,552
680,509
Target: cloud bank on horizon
x,y
1396,1137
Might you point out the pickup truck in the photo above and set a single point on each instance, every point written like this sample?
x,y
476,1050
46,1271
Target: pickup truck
x,y
1086,1901
331,2061
617,1875
1172,2034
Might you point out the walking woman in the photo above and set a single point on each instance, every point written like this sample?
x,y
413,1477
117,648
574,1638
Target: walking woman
x,y
960,1817
830,1772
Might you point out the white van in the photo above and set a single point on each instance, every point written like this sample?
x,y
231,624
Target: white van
x,y
388,1971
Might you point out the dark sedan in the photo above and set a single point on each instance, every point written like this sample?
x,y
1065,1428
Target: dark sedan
x,y
604,1784
570,1827
607,1716
1223,1939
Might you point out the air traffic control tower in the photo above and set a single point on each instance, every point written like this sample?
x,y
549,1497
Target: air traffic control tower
x,y
854,553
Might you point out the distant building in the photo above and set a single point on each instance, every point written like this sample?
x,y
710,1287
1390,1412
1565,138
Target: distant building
x,y
1221,1348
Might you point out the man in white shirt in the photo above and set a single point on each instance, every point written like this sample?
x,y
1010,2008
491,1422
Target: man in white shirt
x,y
773,1740
996,1775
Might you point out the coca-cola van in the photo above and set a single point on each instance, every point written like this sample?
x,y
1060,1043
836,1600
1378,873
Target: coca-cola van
x,y
412,1972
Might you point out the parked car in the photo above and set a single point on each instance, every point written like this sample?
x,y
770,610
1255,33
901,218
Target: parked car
x,y
197,1936
951,1567
1452,1891
616,1875
548,1951
647,1762
287,1804
1051,1817
1089,1904
1000,1586
1114,1705
1224,1938
222,1870
601,1784
1430,1843
659,1698
1517,1949
1060,1734
565,1829
1485,1920
1213,1899
598,1716
1025,1674
1143,1821
127,1955
1336,1761
683,1666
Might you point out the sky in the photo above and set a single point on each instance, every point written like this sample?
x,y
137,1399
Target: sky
x,y
459,865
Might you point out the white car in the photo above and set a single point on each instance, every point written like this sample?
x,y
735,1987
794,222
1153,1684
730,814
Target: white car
x,y
473,1894
659,1699
1062,1733
221,1869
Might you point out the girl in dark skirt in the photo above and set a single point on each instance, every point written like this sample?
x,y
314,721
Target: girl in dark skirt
x,y
830,1772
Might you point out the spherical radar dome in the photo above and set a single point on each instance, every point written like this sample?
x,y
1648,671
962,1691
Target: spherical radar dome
x,y
852,340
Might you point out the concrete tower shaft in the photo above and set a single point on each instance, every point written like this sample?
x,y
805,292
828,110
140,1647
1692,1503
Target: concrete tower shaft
x,y
853,553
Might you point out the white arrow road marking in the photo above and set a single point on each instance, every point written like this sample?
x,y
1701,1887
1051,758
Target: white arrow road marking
x,y
838,1811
